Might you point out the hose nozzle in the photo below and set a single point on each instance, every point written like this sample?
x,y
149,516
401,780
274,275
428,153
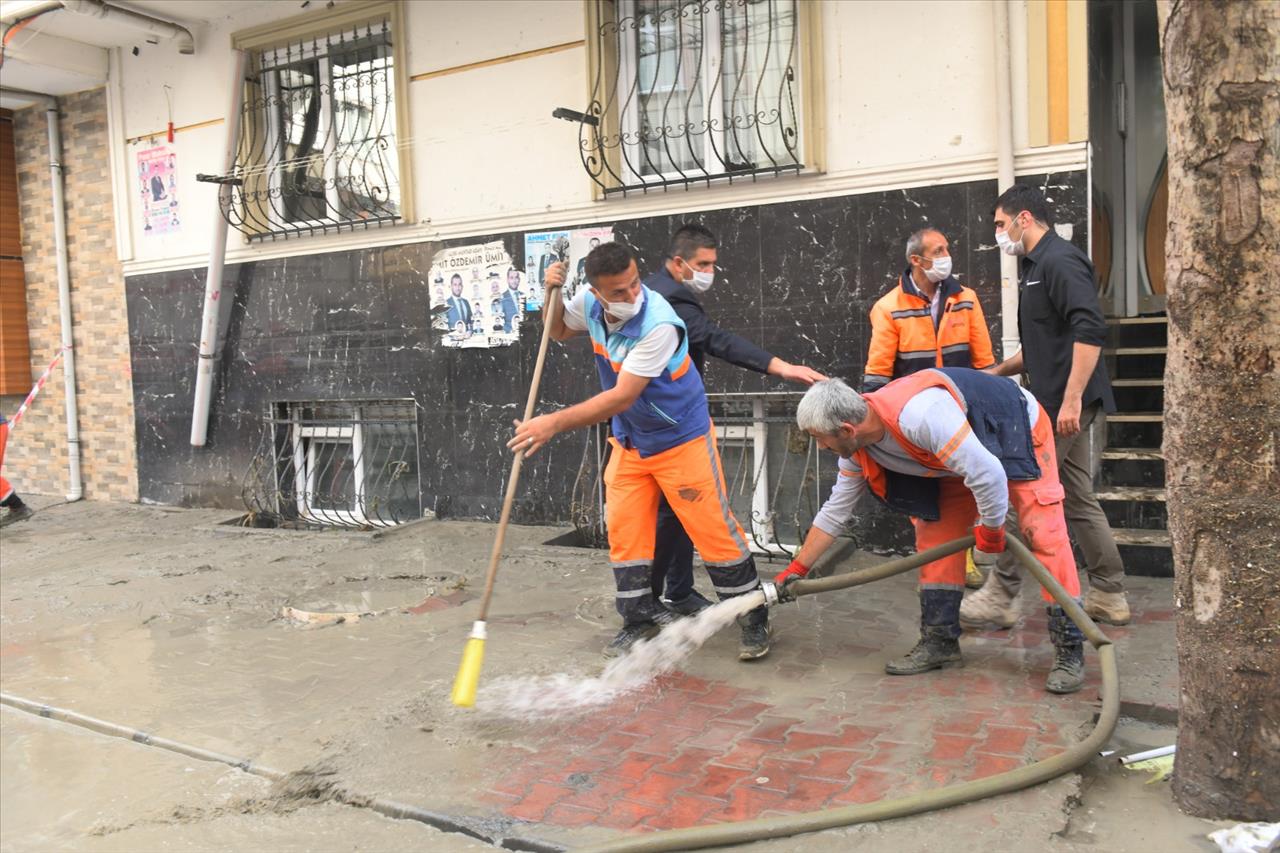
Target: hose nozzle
x,y
770,590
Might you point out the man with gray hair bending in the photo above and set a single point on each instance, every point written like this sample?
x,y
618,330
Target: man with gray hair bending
x,y
947,446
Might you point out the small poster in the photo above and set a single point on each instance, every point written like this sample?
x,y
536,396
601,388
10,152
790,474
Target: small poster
x,y
478,297
581,242
541,250
157,184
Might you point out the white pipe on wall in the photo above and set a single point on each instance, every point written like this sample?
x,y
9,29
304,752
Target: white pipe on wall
x,y
207,361
1010,342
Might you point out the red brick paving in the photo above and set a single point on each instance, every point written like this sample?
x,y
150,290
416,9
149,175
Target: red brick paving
x,y
688,751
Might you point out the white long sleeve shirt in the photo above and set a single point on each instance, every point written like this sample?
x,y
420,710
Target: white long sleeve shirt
x,y
933,421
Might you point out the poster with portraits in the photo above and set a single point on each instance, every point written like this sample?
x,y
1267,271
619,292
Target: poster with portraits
x,y
158,190
581,242
541,250
478,297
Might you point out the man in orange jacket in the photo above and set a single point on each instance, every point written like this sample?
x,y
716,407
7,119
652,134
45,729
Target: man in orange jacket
x,y
928,320
923,446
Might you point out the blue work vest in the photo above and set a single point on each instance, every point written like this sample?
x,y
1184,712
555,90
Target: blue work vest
x,y
672,409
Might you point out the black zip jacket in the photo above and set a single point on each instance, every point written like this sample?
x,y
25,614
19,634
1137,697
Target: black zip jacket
x,y
705,337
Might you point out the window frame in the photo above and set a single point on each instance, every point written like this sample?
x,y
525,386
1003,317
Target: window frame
x,y
256,41
603,59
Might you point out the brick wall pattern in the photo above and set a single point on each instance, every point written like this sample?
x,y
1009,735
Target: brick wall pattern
x,y
36,458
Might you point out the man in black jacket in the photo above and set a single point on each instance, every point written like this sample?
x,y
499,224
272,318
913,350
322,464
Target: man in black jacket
x,y
1063,331
689,270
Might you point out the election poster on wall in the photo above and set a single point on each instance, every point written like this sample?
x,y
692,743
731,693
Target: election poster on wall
x,y
477,296
541,250
158,189
544,248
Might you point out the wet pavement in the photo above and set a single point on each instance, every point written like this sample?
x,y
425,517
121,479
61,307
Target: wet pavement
x,y
336,653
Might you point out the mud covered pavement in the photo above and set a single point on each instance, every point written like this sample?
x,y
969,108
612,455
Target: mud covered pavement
x,y
163,621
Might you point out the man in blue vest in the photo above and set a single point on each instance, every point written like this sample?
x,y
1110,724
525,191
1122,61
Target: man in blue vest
x,y
662,444
689,272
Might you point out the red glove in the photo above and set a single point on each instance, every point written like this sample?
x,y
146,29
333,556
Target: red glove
x,y
797,569
988,540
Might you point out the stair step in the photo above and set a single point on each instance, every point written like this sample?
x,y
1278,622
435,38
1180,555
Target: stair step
x,y
1149,453
1146,382
1137,417
1131,536
1136,321
1130,493
1136,350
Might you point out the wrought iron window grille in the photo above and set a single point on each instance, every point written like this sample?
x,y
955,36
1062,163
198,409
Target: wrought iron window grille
x,y
318,150
690,92
323,465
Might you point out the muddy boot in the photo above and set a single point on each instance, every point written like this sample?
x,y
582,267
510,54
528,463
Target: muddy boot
x,y
1110,608
934,651
20,512
939,644
629,636
991,605
755,634
1067,675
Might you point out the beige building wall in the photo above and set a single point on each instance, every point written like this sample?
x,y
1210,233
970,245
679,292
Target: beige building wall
x,y
36,458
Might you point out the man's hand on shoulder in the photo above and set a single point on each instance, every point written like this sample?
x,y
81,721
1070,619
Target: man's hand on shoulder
x,y
796,373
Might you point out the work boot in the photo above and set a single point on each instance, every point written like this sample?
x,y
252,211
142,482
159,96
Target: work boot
x,y
629,636
935,650
1110,608
691,605
755,634
1067,675
991,605
21,512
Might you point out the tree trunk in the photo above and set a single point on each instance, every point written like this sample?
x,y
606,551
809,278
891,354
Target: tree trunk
x,y
1222,399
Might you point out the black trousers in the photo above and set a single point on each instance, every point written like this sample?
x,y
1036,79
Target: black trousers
x,y
672,556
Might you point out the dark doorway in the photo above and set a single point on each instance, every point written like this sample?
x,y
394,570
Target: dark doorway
x,y
1129,190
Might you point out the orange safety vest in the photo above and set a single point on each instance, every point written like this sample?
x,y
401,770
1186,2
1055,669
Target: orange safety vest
x,y
918,495
904,340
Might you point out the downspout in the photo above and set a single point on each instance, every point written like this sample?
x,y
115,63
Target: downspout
x,y
75,490
207,361
1010,342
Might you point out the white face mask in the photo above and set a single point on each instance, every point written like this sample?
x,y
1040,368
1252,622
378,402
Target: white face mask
x,y
941,269
1008,245
701,281
623,310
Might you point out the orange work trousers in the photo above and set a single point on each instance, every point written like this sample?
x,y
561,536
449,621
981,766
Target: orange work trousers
x,y
690,477
1038,504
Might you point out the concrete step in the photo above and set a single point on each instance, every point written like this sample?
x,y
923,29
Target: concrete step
x,y
1142,382
1131,493
1118,472
1137,417
1158,319
1138,331
1151,538
1147,434
1123,351
1133,453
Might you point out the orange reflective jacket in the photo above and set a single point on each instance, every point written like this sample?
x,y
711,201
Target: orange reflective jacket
x,y
904,339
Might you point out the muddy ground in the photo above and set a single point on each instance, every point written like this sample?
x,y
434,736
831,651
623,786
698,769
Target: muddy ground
x,y
165,621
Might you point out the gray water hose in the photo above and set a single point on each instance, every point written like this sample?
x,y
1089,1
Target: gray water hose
x,y
952,795
385,807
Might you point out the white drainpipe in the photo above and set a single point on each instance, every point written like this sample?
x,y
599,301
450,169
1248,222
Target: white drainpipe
x,y
1010,342
136,20
207,361
75,489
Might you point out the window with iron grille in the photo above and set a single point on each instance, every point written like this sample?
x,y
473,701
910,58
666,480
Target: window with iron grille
x,y
337,465
319,146
687,93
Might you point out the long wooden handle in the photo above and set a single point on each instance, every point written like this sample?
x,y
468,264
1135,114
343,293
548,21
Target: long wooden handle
x,y
553,302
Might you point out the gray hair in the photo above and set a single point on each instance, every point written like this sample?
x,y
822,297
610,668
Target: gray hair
x,y
827,405
915,243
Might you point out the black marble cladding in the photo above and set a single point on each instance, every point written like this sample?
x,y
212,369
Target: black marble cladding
x,y
798,277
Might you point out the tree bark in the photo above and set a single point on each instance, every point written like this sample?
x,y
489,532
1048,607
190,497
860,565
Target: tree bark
x,y
1221,63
